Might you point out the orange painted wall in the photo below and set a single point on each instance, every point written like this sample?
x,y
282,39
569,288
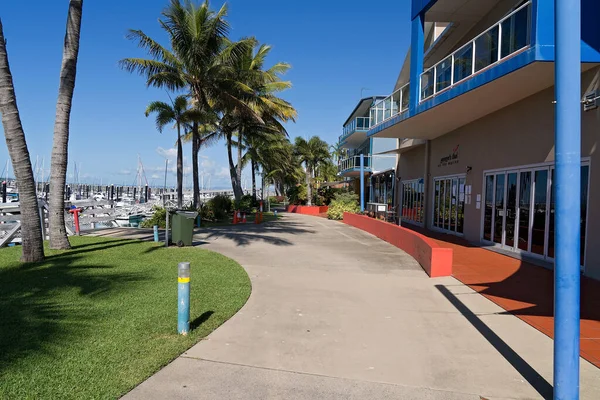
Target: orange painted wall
x,y
312,210
435,260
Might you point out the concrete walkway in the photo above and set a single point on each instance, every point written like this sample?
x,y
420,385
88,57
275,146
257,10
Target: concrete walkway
x,y
335,313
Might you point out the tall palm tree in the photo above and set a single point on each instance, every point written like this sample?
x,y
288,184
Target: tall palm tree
x,y
337,152
200,61
263,85
58,171
31,232
201,135
176,113
311,153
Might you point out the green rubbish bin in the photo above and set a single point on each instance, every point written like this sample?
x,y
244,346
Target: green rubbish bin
x,y
182,227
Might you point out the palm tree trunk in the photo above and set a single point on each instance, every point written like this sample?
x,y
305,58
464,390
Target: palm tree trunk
x,y
239,160
31,232
58,172
308,188
253,165
195,150
179,169
235,184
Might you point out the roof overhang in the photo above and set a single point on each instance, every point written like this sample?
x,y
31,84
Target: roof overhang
x,y
406,145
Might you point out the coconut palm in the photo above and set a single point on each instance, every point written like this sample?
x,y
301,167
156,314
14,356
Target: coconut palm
x,y
311,153
272,110
201,135
31,233
178,114
58,171
200,61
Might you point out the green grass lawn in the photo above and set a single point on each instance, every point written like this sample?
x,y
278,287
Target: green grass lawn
x,y
95,321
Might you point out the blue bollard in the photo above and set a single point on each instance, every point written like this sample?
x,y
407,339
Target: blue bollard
x,y
156,233
183,298
275,212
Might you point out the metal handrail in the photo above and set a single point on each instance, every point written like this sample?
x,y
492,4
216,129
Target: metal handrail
x,y
472,43
380,106
358,123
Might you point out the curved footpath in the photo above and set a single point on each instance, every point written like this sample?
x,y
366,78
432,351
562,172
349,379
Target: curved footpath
x,y
336,313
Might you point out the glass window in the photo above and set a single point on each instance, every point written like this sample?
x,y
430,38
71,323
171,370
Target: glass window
x,y
538,230
395,102
405,97
443,74
489,207
461,206
486,49
499,208
427,84
387,104
524,209
511,209
463,63
515,32
436,204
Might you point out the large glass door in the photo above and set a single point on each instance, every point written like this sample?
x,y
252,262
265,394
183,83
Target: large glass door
x,y
519,209
449,204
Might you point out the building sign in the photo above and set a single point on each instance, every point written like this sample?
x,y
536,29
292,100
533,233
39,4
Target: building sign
x,y
450,159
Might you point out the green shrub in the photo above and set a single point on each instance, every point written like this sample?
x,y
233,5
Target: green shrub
x,y
219,207
343,202
158,218
298,194
246,203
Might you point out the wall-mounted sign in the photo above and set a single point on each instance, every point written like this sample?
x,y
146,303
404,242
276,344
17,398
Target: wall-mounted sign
x,y
450,159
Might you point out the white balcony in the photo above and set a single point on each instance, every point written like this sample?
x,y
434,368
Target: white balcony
x,y
392,105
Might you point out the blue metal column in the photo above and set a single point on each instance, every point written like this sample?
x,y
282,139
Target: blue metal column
x,y
362,182
416,62
567,191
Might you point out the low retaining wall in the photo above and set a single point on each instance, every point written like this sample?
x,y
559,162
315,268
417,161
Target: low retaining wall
x,y
307,210
435,260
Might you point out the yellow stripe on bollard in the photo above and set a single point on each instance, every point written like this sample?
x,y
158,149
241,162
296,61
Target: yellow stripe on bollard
x,y
183,280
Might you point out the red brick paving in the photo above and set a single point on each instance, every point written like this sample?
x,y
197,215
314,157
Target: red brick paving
x,y
523,289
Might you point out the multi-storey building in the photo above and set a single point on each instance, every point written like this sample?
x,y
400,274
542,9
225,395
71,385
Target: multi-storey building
x,y
474,106
378,169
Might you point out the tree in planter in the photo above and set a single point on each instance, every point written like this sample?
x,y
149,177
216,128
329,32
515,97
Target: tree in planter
x,y
311,153
60,146
31,232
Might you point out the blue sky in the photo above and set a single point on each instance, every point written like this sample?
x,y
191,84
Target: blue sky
x,y
335,49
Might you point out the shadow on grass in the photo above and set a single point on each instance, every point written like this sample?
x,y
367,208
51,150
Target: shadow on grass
x,y
200,320
40,303
87,248
244,234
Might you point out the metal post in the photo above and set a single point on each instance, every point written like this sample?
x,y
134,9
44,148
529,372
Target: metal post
x,y
183,298
112,192
156,233
362,183
4,191
166,227
567,192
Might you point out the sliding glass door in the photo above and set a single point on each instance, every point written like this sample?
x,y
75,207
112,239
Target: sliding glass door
x,y
449,204
519,208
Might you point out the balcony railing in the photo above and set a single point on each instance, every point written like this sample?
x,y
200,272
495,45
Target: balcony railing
x,y
509,35
357,124
394,104
353,162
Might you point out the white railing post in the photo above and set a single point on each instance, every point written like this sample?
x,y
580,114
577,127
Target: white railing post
x,y
499,41
473,58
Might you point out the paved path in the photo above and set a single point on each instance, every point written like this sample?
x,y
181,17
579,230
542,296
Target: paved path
x,y
336,313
